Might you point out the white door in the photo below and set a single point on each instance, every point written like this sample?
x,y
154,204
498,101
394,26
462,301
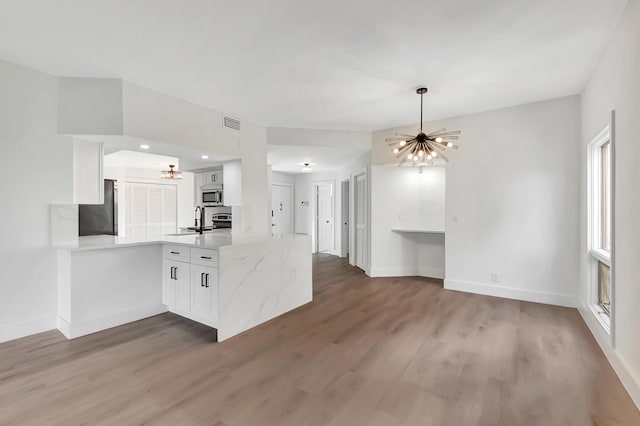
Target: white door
x,y
360,218
344,220
281,210
324,224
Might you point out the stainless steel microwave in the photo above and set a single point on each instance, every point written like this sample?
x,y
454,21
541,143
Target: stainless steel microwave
x,y
212,197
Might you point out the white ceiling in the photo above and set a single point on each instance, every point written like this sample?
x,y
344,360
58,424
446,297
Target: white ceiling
x,y
320,64
290,159
140,160
188,159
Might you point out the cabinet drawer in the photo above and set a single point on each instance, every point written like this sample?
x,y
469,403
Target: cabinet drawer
x,y
205,257
175,252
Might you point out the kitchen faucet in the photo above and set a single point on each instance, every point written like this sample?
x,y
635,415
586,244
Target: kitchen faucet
x,y
201,227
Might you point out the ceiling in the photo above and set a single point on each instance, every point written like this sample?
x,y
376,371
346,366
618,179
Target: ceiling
x,y
330,64
140,160
189,159
290,159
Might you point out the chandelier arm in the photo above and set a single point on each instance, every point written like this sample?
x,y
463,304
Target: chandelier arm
x,y
445,145
437,131
442,134
402,150
441,148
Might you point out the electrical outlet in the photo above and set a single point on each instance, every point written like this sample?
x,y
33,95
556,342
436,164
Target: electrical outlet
x,y
495,277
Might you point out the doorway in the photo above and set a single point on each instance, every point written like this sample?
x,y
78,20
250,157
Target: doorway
x,y
360,218
324,217
281,209
344,219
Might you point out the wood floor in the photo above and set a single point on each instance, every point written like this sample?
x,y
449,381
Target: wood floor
x,y
385,351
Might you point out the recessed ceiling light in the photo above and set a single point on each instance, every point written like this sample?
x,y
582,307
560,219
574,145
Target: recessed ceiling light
x,y
145,146
204,156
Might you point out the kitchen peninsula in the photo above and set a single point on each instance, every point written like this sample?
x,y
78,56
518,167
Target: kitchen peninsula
x,y
228,281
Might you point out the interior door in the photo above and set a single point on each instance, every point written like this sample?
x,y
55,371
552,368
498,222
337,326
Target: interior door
x,y
360,218
324,205
281,210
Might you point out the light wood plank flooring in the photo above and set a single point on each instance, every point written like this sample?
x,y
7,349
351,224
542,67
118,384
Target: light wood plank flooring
x,y
386,351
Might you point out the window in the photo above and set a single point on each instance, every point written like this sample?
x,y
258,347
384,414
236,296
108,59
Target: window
x,y
151,209
600,225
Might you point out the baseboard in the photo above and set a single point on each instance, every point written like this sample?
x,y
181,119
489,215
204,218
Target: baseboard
x,y
81,328
26,328
511,293
630,381
407,272
64,327
431,272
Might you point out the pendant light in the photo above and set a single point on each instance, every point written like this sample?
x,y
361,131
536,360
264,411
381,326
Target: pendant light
x,y
423,149
171,174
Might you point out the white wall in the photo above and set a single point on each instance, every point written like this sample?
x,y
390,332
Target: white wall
x,y
37,169
615,84
401,197
318,137
283,178
90,106
512,201
303,193
156,116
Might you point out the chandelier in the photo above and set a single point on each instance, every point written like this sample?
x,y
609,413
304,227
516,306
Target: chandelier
x,y
423,149
171,174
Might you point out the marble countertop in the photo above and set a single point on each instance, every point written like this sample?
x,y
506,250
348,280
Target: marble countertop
x,y
210,240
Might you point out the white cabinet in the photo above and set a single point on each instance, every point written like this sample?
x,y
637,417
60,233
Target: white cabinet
x,y
190,283
176,252
204,257
232,183
204,290
176,288
213,177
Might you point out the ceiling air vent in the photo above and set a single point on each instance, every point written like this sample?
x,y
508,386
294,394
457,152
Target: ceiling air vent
x,y
231,123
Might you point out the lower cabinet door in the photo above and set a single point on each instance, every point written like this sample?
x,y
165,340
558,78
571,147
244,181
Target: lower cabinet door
x,y
182,282
204,291
168,284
